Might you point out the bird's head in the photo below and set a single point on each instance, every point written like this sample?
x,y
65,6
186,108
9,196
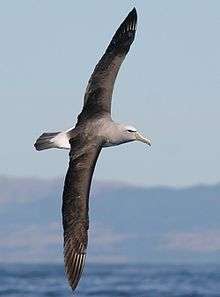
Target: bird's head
x,y
130,133
115,134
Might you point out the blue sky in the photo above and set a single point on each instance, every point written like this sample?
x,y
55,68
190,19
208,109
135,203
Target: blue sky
x,y
168,87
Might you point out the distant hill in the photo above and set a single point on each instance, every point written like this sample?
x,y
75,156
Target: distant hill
x,y
127,223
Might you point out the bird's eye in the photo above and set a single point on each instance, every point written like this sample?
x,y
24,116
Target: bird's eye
x,y
130,130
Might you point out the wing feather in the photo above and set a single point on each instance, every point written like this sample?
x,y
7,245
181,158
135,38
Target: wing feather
x,y
99,90
75,209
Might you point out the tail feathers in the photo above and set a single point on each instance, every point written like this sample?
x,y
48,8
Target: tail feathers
x,y
52,140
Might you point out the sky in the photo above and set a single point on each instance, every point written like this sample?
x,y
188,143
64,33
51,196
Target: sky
x,y
168,86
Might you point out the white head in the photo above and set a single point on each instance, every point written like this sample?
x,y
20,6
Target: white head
x,y
132,134
124,133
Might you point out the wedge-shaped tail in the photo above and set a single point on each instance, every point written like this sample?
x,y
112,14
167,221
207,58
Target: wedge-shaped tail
x,y
58,140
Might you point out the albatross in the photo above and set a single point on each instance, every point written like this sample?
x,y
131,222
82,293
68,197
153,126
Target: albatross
x,y
93,131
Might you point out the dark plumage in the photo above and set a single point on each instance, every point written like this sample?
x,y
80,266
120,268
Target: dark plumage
x,y
97,101
99,91
75,210
94,130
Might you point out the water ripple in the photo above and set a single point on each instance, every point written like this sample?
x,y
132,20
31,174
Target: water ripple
x,y
112,281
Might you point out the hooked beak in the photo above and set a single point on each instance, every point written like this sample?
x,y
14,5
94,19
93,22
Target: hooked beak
x,y
141,138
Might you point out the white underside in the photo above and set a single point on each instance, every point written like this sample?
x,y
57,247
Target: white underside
x,y
61,141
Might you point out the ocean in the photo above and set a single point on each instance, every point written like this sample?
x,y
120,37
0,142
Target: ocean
x,y
41,280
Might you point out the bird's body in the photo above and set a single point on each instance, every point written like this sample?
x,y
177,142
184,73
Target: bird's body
x,y
93,131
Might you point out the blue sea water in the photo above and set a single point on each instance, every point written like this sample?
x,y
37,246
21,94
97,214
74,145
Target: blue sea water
x,y
112,281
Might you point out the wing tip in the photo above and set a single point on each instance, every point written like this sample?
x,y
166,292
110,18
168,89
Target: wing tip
x,y
125,34
74,271
131,20
133,12
74,263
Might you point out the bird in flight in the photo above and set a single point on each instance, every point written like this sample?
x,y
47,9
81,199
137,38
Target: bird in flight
x,y
93,131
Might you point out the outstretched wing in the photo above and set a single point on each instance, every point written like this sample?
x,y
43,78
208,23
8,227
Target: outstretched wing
x,y
75,208
98,94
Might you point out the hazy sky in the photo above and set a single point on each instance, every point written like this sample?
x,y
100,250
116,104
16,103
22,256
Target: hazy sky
x,y
168,87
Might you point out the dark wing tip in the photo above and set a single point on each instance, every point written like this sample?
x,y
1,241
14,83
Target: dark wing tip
x,y
74,264
130,22
133,14
125,34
